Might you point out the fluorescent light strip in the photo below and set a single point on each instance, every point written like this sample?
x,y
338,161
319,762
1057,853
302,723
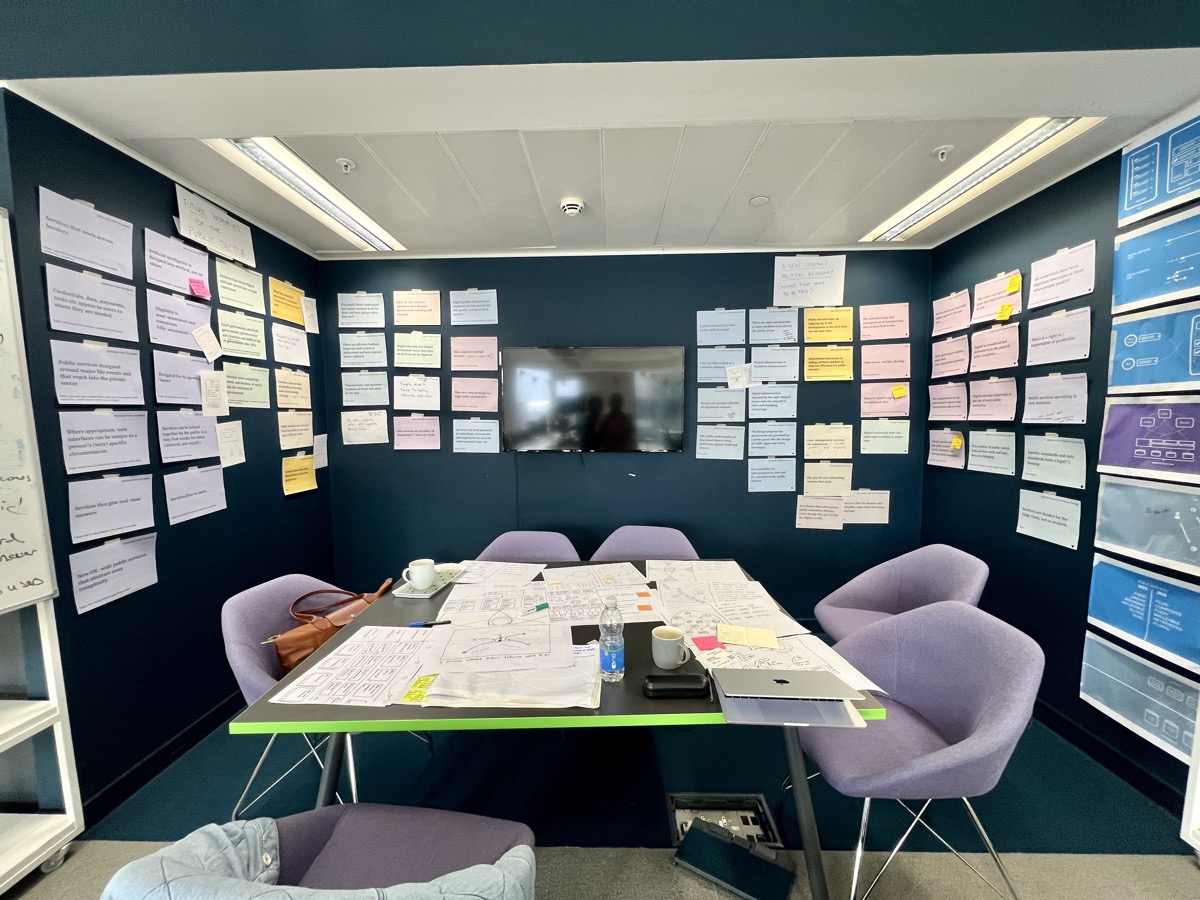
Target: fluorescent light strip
x,y
1024,145
272,163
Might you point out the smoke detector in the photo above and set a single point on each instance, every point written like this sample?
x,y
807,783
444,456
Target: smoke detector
x,y
571,207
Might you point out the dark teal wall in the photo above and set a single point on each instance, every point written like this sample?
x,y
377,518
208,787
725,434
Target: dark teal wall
x,y
392,506
49,38
141,671
1039,587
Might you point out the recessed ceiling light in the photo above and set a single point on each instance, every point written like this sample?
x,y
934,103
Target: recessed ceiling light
x,y
759,201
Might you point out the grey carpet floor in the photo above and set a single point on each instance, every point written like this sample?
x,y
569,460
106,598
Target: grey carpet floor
x,y
572,873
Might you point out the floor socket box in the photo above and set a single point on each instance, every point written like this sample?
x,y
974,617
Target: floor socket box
x,y
744,815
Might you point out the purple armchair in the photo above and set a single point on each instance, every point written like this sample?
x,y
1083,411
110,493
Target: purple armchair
x,y
645,542
530,546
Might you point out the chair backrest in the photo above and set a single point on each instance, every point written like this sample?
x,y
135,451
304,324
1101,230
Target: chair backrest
x,y
926,575
249,618
530,546
972,676
646,542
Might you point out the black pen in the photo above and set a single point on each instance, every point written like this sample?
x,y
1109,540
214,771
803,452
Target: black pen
x,y
429,624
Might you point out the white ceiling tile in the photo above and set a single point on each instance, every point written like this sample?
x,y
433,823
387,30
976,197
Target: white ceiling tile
x,y
637,175
710,162
568,164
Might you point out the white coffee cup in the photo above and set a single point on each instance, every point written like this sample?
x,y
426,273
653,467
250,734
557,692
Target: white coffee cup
x,y
420,574
668,648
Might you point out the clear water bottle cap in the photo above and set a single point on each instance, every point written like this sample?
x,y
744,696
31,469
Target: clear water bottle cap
x,y
610,602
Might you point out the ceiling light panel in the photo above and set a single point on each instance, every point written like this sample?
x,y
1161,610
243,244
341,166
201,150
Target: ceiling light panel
x,y
637,175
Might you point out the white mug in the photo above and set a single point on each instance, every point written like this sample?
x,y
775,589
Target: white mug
x,y
668,648
420,573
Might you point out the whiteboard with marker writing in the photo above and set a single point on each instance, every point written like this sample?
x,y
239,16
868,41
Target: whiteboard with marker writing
x,y
26,560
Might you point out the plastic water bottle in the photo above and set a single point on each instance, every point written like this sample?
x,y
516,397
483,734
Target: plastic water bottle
x,y
612,641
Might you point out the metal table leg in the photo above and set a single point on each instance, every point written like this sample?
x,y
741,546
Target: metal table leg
x,y
335,752
802,797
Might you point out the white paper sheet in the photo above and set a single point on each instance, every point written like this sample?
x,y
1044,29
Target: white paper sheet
x,y
113,570
472,307
367,426
765,475
76,232
95,374
1065,275
712,361
194,493
883,321
497,574
365,389
993,451
828,441
416,307
1061,337
688,571
809,280
308,308
700,607
951,357
505,648
866,507
247,386
946,449
229,444
185,435
997,348
774,325
819,513
210,226
290,344
292,389
993,295
775,363
419,392
576,686
823,479
206,340
890,361
771,438
360,310
720,326
320,451
883,400
993,400
948,402
296,430
952,313
103,507
772,401
739,376
416,432
720,442
476,436
884,436
417,350
1049,518
240,288
241,335
720,405
600,575
94,441
88,304
363,351
173,320
1056,400
174,265
1055,460
177,378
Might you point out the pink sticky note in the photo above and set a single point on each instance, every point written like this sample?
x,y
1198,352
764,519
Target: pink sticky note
x,y
198,287
474,394
473,354
708,642
424,433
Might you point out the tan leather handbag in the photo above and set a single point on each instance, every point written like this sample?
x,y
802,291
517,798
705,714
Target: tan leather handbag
x,y
319,623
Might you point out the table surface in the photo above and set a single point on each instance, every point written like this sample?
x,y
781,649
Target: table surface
x,y
621,703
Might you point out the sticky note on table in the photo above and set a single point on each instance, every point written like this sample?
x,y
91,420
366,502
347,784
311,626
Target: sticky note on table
x,y
417,690
747,636
708,642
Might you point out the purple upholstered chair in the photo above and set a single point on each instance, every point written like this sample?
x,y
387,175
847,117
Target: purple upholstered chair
x,y
530,546
960,690
645,542
927,575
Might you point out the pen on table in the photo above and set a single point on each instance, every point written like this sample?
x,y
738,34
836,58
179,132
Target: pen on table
x,y
537,608
428,624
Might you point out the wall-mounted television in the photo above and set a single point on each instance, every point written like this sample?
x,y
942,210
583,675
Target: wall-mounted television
x,y
603,399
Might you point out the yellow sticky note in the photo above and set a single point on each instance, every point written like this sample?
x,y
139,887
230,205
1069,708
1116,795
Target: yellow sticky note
x,y
829,363
298,474
898,391
1004,312
747,636
956,442
1014,284
833,323
418,689
285,301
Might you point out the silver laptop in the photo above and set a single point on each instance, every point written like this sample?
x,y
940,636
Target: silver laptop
x,y
783,684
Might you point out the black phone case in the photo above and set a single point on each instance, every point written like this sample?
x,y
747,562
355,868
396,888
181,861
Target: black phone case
x,y
682,685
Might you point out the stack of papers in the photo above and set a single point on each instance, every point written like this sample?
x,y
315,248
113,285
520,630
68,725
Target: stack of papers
x,y
598,576
497,574
565,604
561,688
699,608
689,571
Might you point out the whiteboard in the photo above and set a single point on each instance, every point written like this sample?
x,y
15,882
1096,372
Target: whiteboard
x,y
26,558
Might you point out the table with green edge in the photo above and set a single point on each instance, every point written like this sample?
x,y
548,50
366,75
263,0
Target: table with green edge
x,y
621,704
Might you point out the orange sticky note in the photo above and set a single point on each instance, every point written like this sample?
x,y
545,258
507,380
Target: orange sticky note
x,y
898,391
644,594
956,442
1014,284
645,607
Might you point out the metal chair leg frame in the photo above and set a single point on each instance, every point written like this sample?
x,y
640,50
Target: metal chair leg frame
x,y
896,849
858,848
312,751
350,768
945,843
991,849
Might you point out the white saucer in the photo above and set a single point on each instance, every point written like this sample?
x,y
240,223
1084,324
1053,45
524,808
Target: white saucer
x,y
446,573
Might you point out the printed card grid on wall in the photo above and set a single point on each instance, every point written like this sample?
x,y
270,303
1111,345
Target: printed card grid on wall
x,y
992,343
189,393
1148,509
747,408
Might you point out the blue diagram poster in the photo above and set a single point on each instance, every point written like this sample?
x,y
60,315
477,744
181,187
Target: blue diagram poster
x,y
1155,613
1152,437
1157,264
1160,173
1150,520
1156,350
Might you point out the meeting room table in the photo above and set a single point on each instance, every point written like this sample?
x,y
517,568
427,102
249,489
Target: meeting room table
x,y
621,705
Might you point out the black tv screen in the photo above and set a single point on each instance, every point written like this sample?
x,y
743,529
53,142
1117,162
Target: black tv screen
x,y
604,399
